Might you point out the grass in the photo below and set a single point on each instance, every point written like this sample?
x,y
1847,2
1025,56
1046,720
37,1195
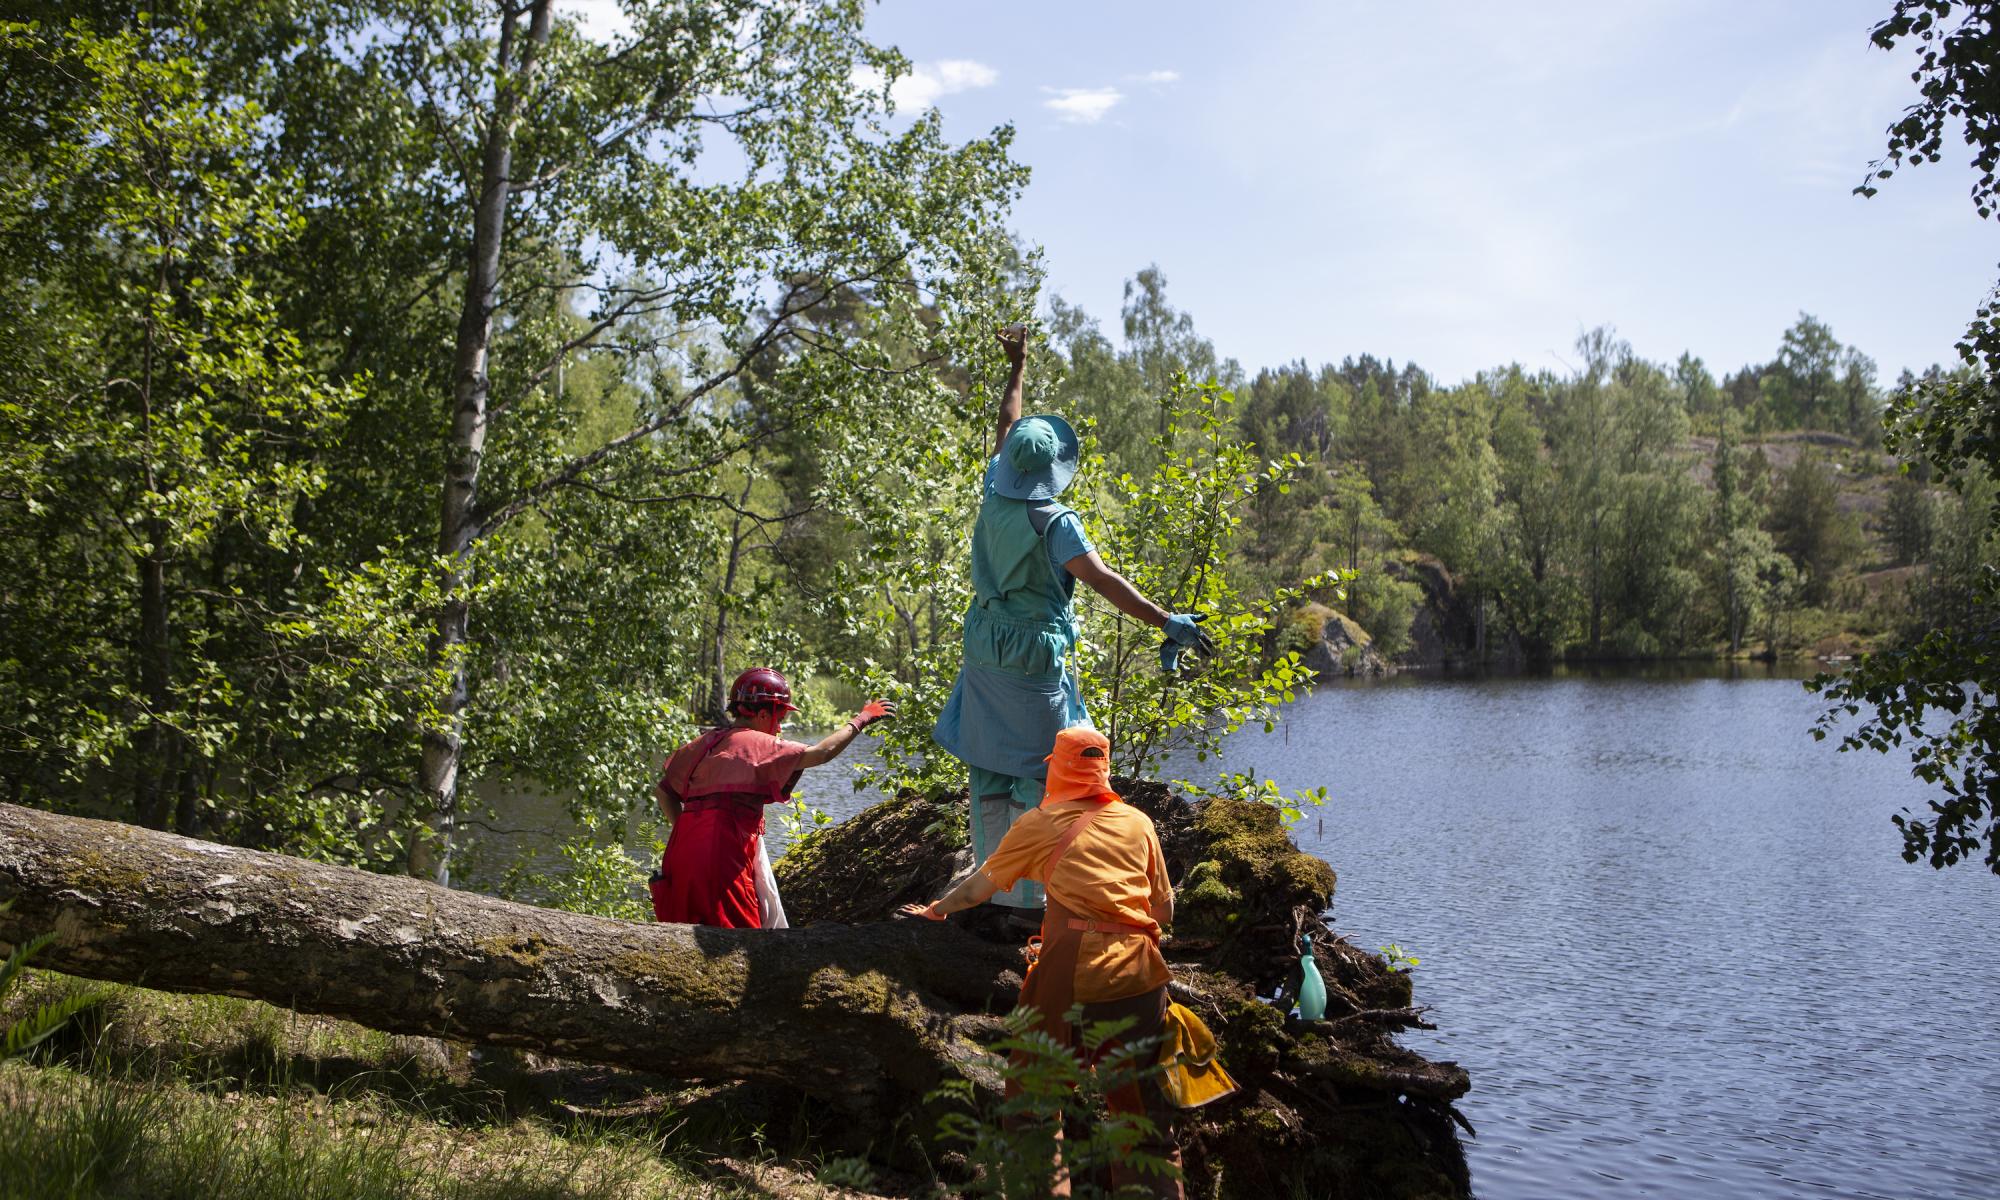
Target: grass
x,y
69,1135
164,1096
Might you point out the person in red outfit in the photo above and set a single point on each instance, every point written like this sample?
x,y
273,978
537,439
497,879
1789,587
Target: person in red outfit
x,y
713,792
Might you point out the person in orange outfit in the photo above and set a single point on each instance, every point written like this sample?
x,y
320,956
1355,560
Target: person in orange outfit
x,y
713,792
1108,900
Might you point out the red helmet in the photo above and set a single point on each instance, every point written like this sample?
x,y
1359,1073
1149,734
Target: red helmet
x,y
760,686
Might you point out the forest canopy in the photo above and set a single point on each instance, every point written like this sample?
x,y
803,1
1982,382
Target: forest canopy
x,y
398,398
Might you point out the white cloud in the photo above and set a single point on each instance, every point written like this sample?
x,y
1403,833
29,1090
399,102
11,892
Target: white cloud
x,y
921,88
1155,77
1082,106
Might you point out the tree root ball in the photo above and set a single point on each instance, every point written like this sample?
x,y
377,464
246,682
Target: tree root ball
x,y
1329,1108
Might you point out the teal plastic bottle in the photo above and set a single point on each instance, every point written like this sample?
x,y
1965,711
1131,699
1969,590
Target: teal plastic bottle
x,y
1312,989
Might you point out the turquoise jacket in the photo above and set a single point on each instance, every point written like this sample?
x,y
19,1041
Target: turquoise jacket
x,y
1015,689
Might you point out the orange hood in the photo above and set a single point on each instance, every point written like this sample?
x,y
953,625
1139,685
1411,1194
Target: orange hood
x,y
1079,767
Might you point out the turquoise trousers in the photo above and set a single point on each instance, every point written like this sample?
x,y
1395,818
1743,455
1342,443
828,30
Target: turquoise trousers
x,y
997,802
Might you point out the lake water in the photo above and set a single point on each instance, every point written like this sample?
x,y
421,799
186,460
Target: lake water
x,y
1668,933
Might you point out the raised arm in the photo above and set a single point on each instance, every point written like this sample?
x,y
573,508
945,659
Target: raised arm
x,y
1014,340
829,747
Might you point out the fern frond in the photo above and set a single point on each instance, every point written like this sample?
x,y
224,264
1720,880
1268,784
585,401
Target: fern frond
x,y
18,961
38,1026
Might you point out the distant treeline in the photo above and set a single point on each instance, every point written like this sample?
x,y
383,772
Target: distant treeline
x,y
1622,508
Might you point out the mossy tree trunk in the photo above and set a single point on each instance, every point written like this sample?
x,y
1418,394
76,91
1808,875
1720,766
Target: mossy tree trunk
x,y
869,1018
868,1014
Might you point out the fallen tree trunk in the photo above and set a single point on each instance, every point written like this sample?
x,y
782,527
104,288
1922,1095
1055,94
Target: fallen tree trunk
x,y
865,1017
851,1008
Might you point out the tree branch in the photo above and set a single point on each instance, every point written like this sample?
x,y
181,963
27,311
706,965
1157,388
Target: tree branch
x,y
778,328
706,497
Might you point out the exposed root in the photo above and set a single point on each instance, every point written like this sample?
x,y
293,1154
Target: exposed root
x,y
1334,1105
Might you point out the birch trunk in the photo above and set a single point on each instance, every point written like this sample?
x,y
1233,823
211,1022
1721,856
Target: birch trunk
x,y
158,744
459,516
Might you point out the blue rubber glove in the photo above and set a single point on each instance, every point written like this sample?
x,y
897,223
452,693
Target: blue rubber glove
x,y
1183,630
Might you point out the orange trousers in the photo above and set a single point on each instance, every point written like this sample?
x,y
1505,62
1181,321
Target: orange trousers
x,y
1049,990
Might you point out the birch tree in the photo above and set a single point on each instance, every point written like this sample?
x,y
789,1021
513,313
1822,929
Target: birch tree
x,y
536,260
681,197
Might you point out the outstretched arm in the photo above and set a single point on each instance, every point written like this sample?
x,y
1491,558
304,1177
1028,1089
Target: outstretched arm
x,y
973,890
829,747
1116,588
1182,629
1013,340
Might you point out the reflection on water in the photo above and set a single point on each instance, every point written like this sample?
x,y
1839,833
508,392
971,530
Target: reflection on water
x,y
1668,933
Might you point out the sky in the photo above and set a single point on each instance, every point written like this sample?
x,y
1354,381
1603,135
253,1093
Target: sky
x,y
1465,185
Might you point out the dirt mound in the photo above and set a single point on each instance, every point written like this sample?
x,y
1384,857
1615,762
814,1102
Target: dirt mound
x,y
901,851
1329,1108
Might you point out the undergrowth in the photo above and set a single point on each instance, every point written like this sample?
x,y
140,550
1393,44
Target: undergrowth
x,y
70,1135
1055,1112
155,1095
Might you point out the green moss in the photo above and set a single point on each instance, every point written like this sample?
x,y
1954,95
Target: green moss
x,y
869,991
1252,1033
1205,906
1257,855
864,867
804,855
1354,1070
1267,1122
1352,628
697,979
93,872
526,949
1303,627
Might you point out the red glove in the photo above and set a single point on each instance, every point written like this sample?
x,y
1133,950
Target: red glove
x,y
871,712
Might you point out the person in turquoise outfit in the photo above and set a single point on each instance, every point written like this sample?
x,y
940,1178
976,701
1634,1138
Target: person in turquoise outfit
x,y
1016,688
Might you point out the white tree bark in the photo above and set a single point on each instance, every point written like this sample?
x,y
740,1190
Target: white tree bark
x,y
458,526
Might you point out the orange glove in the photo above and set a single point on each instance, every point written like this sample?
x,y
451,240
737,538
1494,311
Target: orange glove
x,y
871,712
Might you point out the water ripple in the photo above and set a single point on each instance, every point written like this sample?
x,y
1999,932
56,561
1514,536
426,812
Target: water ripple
x,y
1668,933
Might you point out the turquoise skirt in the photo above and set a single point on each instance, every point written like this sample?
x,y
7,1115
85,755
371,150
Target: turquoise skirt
x,y
1014,694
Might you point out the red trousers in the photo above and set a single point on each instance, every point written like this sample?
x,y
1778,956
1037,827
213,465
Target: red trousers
x,y
708,875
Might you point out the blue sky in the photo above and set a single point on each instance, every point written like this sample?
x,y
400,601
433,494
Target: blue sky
x,y
1466,185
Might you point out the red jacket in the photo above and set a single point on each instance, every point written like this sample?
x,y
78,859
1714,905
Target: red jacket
x,y
722,780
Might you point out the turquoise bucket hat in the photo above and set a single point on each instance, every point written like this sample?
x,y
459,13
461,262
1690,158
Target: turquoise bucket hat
x,y
1037,460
